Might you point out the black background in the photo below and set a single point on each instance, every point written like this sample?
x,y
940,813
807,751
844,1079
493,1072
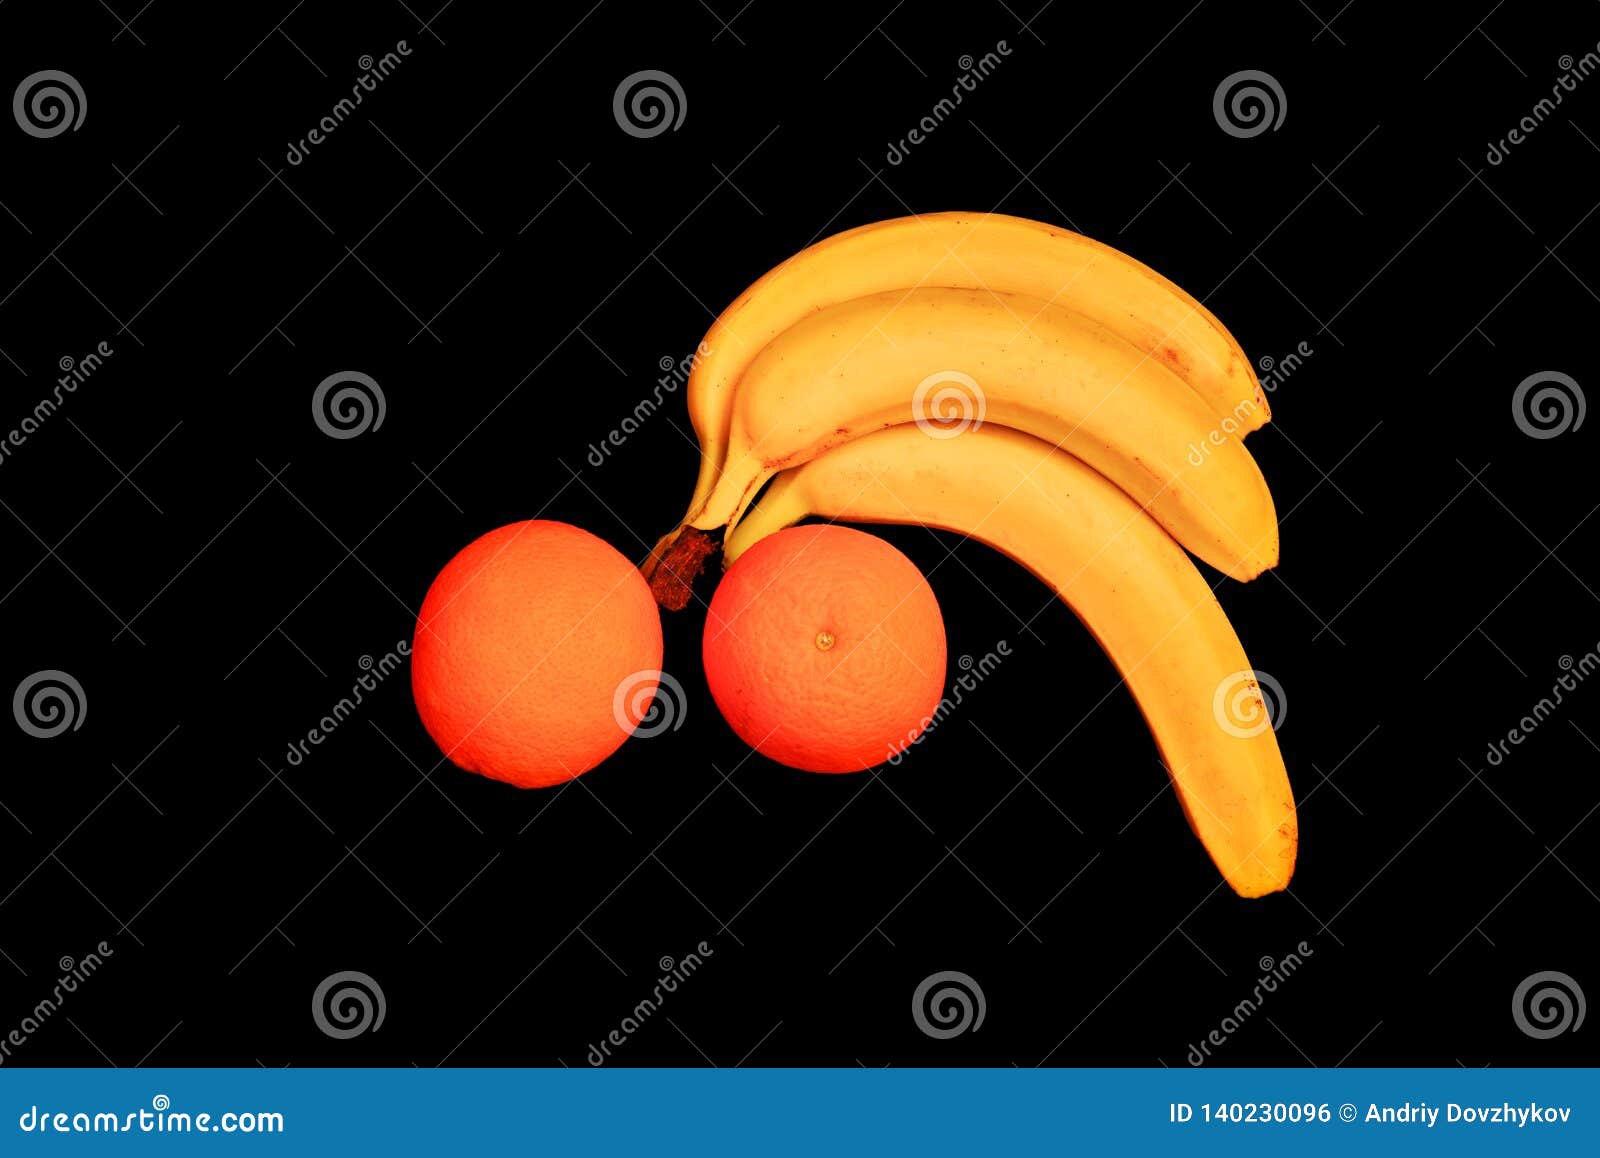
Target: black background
x,y
211,568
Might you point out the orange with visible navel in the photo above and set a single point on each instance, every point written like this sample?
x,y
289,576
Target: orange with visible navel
x,y
825,649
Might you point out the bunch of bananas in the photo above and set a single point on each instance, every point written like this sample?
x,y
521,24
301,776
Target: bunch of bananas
x,y
1038,391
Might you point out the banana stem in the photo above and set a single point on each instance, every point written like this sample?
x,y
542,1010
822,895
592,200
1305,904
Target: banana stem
x,y
676,564
647,567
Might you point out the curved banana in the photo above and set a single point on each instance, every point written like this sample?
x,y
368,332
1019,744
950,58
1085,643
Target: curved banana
x,y
1010,359
1122,576
983,251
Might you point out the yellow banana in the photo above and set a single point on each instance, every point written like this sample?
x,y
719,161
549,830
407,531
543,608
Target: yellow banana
x,y
1010,359
1134,589
982,251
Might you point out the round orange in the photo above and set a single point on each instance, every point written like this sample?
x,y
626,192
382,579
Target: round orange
x,y
537,651
824,649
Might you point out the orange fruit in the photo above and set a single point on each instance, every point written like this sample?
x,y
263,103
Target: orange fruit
x,y
824,649
537,651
